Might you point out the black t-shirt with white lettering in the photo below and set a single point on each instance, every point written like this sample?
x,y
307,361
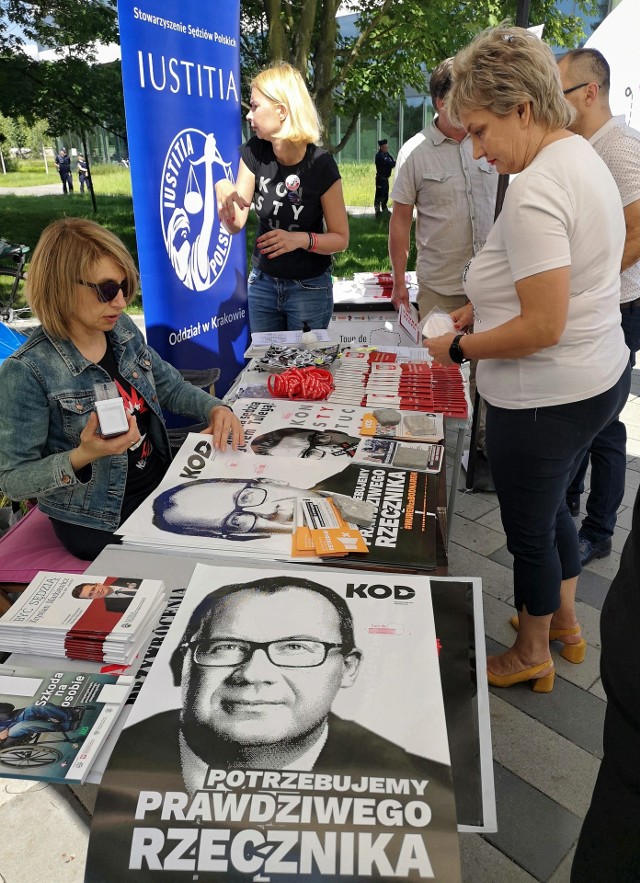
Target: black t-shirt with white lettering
x,y
300,211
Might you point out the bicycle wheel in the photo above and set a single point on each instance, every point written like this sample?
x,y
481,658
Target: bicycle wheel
x,y
26,756
12,278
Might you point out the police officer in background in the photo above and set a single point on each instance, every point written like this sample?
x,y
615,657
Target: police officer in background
x,y
83,174
63,165
384,166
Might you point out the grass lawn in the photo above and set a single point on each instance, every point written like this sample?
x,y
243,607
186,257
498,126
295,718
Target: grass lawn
x,y
22,218
113,179
357,179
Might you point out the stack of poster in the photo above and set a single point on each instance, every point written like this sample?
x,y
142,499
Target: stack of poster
x,y
247,503
458,614
324,430
53,723
291,739
319,430
107,619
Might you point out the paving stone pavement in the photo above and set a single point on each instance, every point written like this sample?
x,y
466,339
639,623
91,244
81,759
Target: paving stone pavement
x,y
546,748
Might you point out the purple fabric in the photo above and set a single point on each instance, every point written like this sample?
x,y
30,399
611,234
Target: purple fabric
x,y
30,546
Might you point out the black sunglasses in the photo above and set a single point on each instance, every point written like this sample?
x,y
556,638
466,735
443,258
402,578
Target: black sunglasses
x,y
108,291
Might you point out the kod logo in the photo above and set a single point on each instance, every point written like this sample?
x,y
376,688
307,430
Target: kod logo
x,y
378,590
197,246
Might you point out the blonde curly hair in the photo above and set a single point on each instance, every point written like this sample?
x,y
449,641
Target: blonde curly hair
x,y
503,67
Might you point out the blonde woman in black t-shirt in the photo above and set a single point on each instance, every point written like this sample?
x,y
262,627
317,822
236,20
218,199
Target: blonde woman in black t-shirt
x,y
296,191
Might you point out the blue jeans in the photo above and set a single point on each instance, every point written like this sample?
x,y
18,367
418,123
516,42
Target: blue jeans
x,y
286,304
607,455
47,718
533,453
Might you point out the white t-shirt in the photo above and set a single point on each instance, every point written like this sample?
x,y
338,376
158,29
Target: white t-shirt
x,y
619,146
563,209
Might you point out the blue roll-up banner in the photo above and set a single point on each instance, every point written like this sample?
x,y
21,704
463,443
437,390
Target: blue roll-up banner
x,y
181,76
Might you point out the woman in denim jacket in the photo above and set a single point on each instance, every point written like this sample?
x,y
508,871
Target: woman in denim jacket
x,y
80,280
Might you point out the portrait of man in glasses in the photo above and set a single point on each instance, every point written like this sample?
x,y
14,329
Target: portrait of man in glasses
x,y
261,514
259,666
241,510
259,669
311,444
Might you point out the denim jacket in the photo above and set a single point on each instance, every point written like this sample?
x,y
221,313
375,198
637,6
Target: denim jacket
x,y
47,394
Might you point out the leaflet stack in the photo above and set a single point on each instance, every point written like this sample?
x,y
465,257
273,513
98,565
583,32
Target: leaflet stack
x,y
106,619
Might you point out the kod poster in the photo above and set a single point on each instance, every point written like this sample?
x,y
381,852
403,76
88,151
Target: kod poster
x,y
181,75
291,728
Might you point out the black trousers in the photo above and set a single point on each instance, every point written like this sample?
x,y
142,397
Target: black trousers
x,y
382,193
533,454
67,182
88,542
83,542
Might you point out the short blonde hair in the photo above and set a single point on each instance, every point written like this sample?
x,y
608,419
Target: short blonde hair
x,y
67,251
283,84
503,67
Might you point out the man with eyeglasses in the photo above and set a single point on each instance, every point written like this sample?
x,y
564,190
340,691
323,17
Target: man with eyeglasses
x,y
586,81
305,443
260,665
241,510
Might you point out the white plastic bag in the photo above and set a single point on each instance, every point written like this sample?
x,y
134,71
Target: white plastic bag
x,y
436,322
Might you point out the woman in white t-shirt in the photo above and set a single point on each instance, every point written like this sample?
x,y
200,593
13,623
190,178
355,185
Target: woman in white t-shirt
x,y
552,363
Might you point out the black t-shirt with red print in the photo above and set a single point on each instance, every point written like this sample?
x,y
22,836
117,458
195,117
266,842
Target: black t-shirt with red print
x,y
145,468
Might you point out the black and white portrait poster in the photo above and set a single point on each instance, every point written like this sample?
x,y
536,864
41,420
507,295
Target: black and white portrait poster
x,y
292,727
238,503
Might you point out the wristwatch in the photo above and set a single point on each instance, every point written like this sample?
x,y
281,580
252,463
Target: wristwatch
x,y
455,351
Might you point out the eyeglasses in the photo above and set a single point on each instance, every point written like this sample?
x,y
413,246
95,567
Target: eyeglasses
x,y
573,88
313,451
108,291
247,498
285,653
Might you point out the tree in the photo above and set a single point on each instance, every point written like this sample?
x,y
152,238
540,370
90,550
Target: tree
x,y
396,43
72,92
78,23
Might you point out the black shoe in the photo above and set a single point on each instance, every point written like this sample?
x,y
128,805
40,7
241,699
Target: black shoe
x,y
590,549
574,506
